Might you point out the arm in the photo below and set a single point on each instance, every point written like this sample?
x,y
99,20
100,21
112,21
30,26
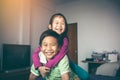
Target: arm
x,y
65,76
32,76
36,59
43,70
60,55
64,68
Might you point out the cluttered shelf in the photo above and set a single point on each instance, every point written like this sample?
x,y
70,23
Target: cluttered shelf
x,y
101,62
98,59
93,65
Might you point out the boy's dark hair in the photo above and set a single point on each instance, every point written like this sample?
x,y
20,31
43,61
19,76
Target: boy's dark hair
x,y
53,34
64,34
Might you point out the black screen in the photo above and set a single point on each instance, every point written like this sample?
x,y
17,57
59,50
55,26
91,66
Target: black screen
x,y
15,56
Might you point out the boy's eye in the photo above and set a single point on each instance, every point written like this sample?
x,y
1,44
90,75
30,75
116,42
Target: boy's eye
x,y
53,44
44,44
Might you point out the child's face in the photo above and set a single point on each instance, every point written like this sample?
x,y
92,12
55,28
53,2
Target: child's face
x,y
58,25
49,47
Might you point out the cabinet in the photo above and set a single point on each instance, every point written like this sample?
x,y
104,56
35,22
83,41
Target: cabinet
x,y
92,66
16,75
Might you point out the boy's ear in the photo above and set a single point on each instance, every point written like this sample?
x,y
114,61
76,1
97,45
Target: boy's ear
x,y
49,26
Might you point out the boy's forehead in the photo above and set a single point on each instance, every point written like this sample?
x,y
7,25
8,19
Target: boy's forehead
x,y
50,38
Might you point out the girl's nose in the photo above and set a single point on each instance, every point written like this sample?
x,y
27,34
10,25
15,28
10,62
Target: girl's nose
x,y
58,26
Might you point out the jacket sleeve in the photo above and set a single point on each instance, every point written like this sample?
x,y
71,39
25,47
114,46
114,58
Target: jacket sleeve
x,y
63,51
36,59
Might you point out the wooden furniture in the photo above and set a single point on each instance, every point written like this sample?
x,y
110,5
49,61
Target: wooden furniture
x,y
15,75
92,65
72,46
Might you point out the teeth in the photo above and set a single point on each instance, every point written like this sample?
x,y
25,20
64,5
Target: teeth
x,y
48,52
59,29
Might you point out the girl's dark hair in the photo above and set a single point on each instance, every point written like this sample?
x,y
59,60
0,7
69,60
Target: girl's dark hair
x,y
53,34
64,34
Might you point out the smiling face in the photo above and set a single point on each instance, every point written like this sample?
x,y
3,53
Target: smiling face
x,y
49,47
58,24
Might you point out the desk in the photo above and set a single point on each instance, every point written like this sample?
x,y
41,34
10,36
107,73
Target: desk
x,y
92,65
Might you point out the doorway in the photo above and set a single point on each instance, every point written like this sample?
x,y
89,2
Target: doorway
x,y
72,46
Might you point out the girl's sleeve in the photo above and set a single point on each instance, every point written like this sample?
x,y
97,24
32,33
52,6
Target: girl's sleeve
x,y
64,49
36,59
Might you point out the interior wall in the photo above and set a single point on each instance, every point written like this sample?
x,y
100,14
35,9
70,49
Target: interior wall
x,y
41,11
10,18
0,36
98,25
15,17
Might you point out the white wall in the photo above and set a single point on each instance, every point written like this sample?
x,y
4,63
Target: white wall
x,y
15,18
98,25
41,11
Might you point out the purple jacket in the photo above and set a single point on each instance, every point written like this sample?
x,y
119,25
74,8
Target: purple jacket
x,y
51,63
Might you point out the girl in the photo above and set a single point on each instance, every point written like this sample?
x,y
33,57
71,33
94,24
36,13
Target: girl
x,y
50,43
58,23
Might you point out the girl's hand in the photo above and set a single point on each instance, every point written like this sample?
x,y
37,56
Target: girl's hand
x,y
43,70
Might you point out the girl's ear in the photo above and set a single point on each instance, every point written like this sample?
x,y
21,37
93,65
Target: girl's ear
x,y
49,27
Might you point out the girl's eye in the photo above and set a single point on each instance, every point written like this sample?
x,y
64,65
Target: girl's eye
x,y
56,22
63,23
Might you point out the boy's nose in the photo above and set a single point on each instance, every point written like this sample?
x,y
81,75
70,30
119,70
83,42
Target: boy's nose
x,y
48,47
